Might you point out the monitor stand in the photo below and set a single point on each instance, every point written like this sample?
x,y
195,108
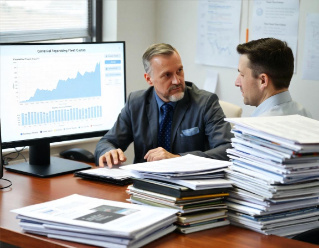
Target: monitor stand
x,y
41,164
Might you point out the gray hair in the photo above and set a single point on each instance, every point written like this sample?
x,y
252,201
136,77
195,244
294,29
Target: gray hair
x,y
153,50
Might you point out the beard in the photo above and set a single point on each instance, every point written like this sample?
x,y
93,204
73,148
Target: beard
x,y
177,96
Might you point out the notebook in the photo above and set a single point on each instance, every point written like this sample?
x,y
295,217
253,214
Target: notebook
x,y
113,176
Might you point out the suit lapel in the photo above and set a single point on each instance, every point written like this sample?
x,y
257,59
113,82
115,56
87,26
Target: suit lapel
x,y
179,113
152,115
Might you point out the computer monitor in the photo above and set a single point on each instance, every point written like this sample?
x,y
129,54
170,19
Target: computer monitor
x,y
1,159
58,92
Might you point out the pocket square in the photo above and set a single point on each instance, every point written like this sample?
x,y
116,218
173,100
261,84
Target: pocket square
x,y
190,132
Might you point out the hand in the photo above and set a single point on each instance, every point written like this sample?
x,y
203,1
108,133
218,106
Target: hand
x,y
112,157
159,153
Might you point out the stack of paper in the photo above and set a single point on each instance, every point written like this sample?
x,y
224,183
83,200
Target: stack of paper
x,y
275,174
97,222
195,186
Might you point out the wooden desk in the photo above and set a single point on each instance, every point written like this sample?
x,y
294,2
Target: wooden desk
x,y
27,190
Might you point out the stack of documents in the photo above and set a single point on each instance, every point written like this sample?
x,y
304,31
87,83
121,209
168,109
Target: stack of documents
x,y
275,174
194,186
97,222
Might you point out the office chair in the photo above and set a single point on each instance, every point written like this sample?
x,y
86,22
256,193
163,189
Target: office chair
x,y
310,236
231,110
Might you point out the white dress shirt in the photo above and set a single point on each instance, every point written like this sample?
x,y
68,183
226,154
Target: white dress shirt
x,y
280,104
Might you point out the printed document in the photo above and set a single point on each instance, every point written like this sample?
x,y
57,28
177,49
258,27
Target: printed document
x,y
110,218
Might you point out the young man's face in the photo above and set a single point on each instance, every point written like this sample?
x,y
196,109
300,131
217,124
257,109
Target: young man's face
x,y
167,77
249,86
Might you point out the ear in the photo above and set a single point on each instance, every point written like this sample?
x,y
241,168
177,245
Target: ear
x,y
148,79
263,81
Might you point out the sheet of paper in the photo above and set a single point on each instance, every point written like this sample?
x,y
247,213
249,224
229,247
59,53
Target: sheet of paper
x,y
202,184
218,32
311,48
211,81
243,209
177,165
277,19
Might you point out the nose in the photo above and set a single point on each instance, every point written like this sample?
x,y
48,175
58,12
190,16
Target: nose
x,y
176,79
237,82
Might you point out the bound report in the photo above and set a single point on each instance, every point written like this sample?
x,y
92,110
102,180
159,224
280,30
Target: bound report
x,y
97,222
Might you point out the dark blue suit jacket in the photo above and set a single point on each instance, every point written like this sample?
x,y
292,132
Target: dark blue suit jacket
x,y
198,126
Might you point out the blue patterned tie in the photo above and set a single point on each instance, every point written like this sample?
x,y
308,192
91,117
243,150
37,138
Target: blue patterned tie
x,y
164,134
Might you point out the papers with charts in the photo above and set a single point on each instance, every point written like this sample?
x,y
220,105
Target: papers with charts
x,y
97,222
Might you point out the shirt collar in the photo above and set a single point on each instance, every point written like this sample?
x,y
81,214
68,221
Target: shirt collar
x,y
272,101
160,102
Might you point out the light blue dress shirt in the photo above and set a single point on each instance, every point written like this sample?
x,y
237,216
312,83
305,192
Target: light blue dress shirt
x,y
280,104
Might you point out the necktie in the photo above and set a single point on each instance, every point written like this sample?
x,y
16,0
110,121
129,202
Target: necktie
x,y
164,134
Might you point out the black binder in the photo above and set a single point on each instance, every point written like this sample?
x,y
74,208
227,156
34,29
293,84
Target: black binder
x,y
104,179
171,189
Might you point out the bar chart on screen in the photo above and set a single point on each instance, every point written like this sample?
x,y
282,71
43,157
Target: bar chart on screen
x,y
55,116
65,96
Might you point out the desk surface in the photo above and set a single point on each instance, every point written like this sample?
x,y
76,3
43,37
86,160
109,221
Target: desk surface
x,y
28,190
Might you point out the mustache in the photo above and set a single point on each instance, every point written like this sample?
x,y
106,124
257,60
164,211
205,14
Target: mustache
x,y
173,87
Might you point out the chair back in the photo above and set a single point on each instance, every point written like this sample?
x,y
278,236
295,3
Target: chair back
x,y
231,110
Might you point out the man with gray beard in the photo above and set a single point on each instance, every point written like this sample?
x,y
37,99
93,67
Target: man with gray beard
x,y
171,118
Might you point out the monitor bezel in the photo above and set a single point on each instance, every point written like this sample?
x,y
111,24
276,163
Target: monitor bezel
x,y
1,157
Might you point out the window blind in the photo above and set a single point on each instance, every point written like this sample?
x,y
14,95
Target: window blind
x,y
33,20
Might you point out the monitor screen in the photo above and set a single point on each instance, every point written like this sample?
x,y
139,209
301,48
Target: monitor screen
x,y
58,92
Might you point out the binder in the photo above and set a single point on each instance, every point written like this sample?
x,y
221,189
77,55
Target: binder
x,y
171,189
